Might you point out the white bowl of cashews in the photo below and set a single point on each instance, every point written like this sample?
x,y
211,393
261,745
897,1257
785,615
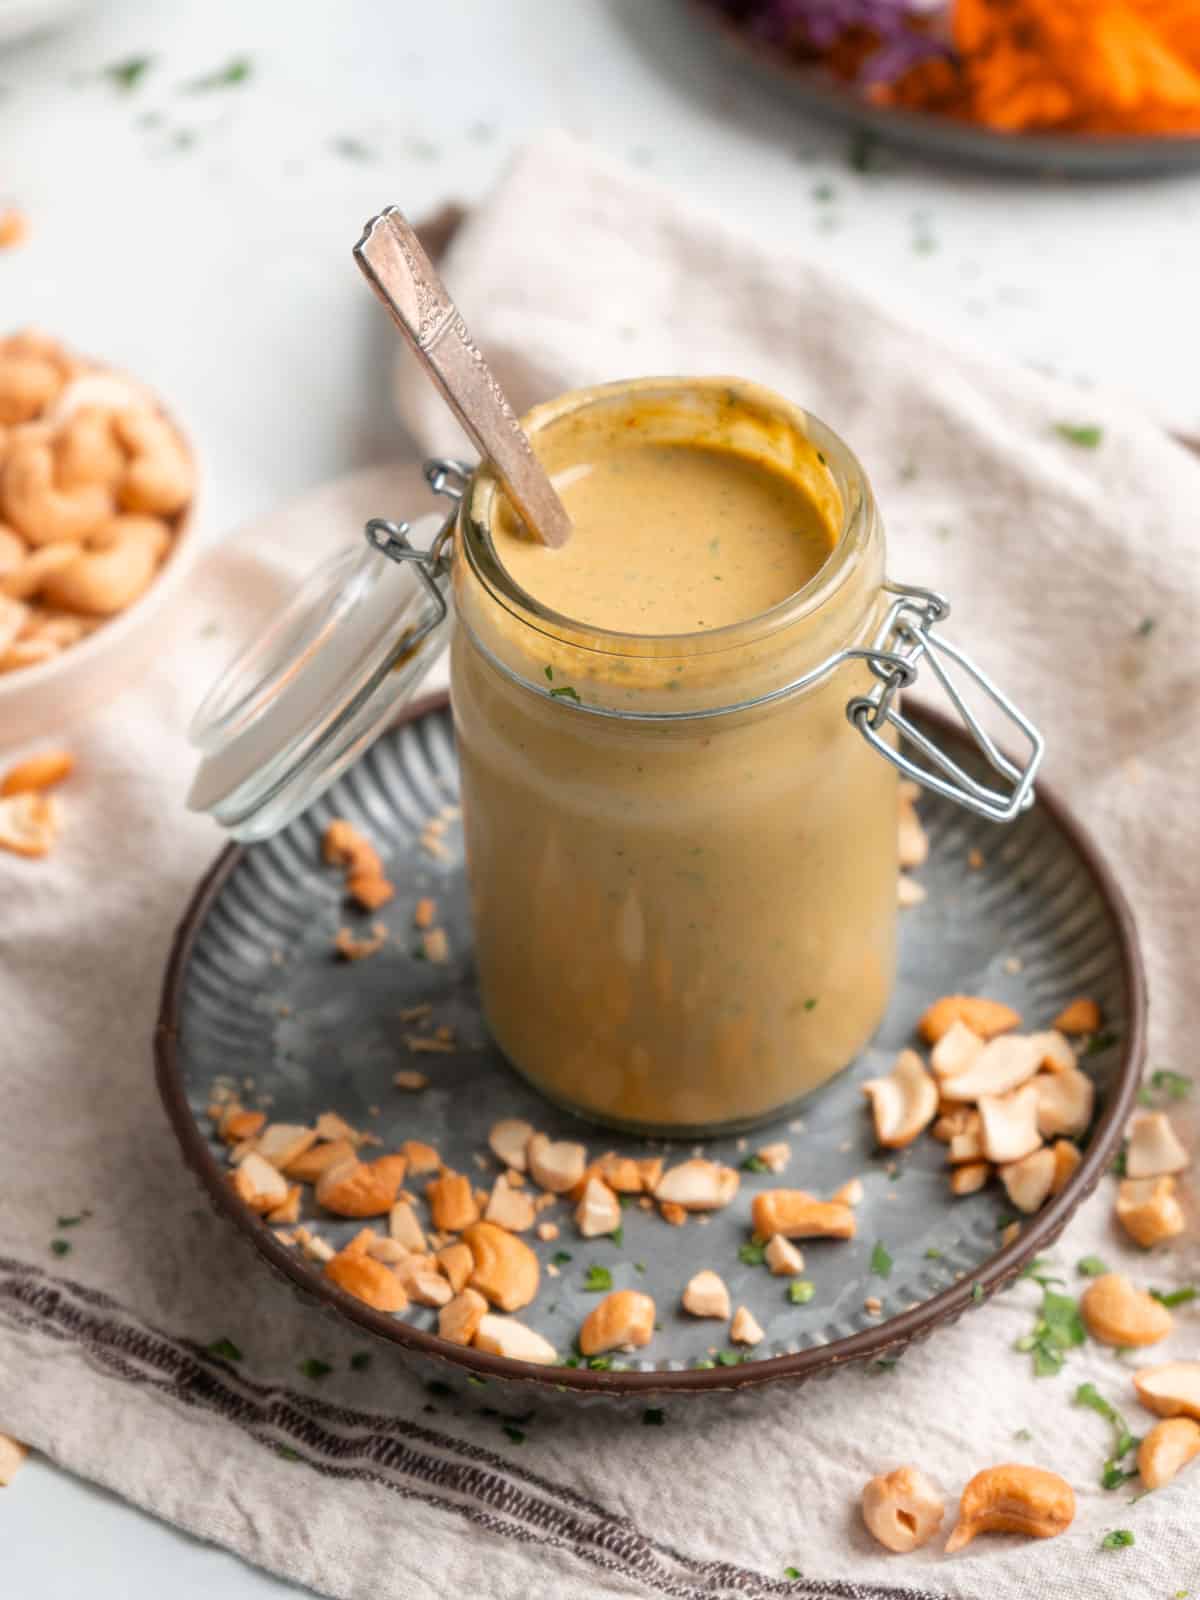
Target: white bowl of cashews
x,y
97,490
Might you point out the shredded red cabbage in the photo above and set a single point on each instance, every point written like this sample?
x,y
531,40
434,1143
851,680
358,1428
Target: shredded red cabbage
x,y
818,25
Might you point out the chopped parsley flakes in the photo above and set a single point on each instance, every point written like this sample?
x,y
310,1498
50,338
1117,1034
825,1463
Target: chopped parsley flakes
x,y
1083,435
224,1350
1118,1539
597,1279
312,1368
1091,1267
800,1291
881,1261
752,1254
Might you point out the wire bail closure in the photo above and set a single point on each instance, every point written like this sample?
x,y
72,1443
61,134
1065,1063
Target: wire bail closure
x,y
906,639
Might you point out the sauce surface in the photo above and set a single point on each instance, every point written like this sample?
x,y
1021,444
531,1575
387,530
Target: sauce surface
x,y
671,538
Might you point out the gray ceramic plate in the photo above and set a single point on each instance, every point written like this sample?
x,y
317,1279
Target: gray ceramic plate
x,y
253,983
948,139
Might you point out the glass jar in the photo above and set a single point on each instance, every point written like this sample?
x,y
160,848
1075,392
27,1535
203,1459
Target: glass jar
x,y
682,849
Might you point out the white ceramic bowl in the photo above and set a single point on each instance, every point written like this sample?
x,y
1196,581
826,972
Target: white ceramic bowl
x,y
43,701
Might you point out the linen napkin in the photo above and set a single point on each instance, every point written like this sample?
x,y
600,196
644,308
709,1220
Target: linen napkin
x,y
1075,580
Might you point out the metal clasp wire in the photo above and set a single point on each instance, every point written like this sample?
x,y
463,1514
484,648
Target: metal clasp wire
x,y
905,640
449,479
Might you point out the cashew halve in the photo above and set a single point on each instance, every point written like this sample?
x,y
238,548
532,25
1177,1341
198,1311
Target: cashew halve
x,y
508,1140
505,1336
1170,1390
599,1211
1118,1314
698,1185
117,565
557,1167
987,1018
798,1215
1065,1101
1066,1160
37,507
1149,1210
460,1317
506,1270
1154,1149
1013,1498
970,1177
955,1050
1008,1129
904,1103
160,479
1002,1065
903,1509
1080,1016
1029,1182
1166,1449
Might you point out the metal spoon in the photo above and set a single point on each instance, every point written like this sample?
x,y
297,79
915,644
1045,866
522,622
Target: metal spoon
x,y
402,275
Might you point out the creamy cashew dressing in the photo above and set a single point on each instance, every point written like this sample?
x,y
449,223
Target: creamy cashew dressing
x,y
671,538
680,923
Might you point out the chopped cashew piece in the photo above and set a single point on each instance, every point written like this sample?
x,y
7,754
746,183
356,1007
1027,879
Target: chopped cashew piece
x,y
1171,1390
1030,1181
1013,1499
697,1185
504,1336
904,1103
1081,1016
782,1257
707,1296
407,1079
903,1510
1065,1101
457,1262
967,1143
775,1157
289,1210
1118,1314
598,1211
451,1202
404,1227
850,1193
913,845
313,1246
1066,1159
970,1177
909,892
1153,1149
12,1455
29,823
259,1185
1003,1064
388,1251
1057,1054
1166,1449
1008,1125
42,771
281,1143
423,1282
547,1231
309,1166
508,1207
955,1050
330,1126
506,1269
508,1141
459,1318
797,1215
987,1018
367,1280
237,1125
555,1166
621,1173
354,1188
745,1329
673,1214
421,1158
624,1320
1148,1209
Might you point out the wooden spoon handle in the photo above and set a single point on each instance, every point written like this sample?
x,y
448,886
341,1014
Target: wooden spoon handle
x,y
402,275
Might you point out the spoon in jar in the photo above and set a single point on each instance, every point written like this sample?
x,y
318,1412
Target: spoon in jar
x,y
395,265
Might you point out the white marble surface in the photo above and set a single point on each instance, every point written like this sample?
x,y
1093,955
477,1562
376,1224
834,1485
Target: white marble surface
x,y
202,239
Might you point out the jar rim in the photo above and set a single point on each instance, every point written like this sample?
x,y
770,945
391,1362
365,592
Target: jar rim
x,y
483,498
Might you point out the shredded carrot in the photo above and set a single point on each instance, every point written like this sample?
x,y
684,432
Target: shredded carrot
x,y
1087,66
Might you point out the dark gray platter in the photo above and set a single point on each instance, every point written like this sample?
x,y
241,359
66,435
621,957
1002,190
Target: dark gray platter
x,y
253,988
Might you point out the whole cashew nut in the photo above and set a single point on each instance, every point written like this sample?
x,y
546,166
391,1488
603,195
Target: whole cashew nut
x,y
28,383
160,478
12,552
903,1509
904,1103
1013,1499
37,507
1118,1314
86,451
28,577
1167,1448
118,563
